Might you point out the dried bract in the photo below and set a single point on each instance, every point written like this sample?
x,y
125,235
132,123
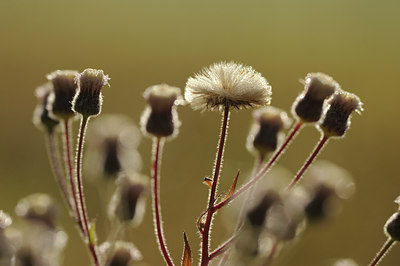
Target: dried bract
x,y
160,119
88,99
309,104
64,89
227,84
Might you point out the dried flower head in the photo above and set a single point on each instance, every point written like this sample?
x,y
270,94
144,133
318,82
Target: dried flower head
x,y
127,203
309,104
41,117
326,183
256,215
5,220
227,84
392,226
160,118
39,208
88,99
336,119
266,133
112,146
64,89
119,253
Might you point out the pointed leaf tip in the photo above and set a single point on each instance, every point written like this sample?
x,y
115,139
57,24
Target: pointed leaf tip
x,y
187,252
233,187
208,182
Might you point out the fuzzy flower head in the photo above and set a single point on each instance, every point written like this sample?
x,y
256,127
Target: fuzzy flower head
x,y
41,117
88,99
227,84
336,119
160,118
5,220
309,104
64,89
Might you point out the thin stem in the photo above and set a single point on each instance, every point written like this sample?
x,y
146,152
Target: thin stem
x,y
217,169
82,206
157,151
384,250
221,249
70,171
307,164
272,252
257,165
55,165
264,170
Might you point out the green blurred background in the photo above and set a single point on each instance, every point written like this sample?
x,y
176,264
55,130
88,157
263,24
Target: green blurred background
x,y
140,43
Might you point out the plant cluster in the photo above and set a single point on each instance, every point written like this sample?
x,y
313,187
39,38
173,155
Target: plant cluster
x,y
270,217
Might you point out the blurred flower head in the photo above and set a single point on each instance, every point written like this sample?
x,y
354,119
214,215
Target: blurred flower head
x,y
41,117
119,253
227,84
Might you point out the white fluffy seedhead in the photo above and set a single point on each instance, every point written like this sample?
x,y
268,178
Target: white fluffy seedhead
x,y
228,84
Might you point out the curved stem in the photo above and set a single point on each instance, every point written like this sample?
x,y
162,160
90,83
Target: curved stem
x,y
157,151
384,250
55,165
307,164
217,169
70,171
221,249
82,206
264,170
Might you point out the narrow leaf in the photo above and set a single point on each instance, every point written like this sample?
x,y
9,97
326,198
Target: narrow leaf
x,y
233,187
187,252
208,182
92,232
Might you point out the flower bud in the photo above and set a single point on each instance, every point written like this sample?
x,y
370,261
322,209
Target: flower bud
x,y
88,99
120,253
160,119
309,104
41,116
266,134
38,208
336,119
64,89
392,226
127,203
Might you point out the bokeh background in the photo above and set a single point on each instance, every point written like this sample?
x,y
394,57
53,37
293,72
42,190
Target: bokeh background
x,y
141,43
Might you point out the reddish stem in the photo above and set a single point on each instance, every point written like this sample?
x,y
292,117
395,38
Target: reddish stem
x,y
91,242
307,164
384,250
70,170
157,150
205,258
221,249
57,170
264,170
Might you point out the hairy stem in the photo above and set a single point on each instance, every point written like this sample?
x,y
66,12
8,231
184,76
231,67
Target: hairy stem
x,y
264,170
221,249
307,164
70,171
205,258
157,151
383,251
55,165
82,206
